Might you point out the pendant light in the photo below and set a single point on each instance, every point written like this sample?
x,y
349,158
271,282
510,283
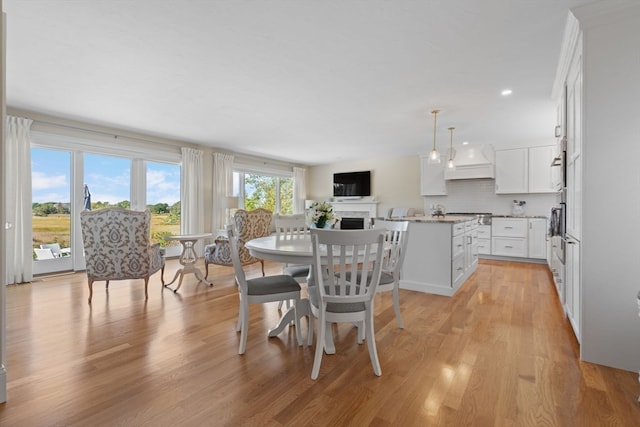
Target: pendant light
x,y
434,156
450,165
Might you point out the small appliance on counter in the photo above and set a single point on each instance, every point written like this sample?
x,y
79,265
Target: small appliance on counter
x,y
437,210
517,208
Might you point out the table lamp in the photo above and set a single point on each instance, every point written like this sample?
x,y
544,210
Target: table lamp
x,y
230,204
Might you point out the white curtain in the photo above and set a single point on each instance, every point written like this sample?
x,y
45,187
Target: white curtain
x,y
222,187
299,189
17,169
192,194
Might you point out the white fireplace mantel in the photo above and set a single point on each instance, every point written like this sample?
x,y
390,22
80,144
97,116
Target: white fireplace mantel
x,y
366,209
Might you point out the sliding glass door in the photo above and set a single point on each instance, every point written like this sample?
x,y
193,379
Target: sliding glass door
x,y
163,200
51,210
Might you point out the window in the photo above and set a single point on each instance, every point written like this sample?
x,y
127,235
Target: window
x,y
163,200
261,190
127,174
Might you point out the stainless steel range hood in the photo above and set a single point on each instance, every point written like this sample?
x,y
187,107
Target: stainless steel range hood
x,y
473,163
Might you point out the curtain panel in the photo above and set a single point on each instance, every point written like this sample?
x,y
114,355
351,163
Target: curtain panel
x,y
192,194
18,252
299,189
222,187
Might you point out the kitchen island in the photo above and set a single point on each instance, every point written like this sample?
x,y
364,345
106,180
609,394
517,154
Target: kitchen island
x,y
442,252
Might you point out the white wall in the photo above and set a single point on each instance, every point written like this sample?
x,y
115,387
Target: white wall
x,y
395,182
611,192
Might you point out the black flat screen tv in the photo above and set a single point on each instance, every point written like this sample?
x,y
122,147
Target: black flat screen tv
x,y
352,184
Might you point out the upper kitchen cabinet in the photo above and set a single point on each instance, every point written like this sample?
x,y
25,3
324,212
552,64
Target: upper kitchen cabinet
x,y
512,171
432,181
541,174
525,170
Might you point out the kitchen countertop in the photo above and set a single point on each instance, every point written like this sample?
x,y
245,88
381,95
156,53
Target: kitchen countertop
x,y
452,219
447,219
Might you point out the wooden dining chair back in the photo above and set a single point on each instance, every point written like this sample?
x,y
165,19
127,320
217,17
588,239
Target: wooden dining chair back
x,y
347,267
396,238
259,290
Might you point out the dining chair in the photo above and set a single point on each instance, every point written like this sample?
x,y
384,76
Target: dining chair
x,y
396,238
287,229
336,299
260,290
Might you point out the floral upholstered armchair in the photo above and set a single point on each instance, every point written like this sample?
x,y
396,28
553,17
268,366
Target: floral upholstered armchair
x,y
117,246
249,225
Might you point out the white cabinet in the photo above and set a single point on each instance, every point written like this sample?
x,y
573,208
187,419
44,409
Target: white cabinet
x,y
509,237
432,181
537,238
440,256
519,237
512,172
541,174
525,170
574,154
572,285
464,251
484,240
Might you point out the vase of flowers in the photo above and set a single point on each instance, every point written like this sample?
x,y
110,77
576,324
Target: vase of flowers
x,y
321,215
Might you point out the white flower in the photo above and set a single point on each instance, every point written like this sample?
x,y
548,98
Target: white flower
x,y
321,213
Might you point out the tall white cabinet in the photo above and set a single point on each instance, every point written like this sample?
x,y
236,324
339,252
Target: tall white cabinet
x,y
599,66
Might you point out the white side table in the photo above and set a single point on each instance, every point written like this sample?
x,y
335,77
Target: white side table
x,y
188,258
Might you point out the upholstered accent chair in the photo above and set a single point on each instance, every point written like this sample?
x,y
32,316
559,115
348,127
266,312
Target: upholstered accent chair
x,y
117,246
248,225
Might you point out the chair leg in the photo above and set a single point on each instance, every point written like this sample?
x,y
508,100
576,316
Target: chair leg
x,y
310,331
90,284
146,286
361,332
296,320
396,305
206,269
371,342
244,309
317,360
162,276
106,285
262,262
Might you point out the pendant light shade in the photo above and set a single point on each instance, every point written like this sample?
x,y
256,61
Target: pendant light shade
x,y
450,165
434,156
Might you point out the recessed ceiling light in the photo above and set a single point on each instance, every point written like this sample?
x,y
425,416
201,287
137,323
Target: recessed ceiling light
x,y
506,92
465,143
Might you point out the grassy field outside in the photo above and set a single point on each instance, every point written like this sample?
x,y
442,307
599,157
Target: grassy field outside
x,y
57,229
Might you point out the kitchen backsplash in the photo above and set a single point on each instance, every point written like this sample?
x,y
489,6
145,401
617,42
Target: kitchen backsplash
x,y
479,195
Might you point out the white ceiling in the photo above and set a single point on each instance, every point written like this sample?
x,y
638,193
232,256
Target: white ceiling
x,y
309,82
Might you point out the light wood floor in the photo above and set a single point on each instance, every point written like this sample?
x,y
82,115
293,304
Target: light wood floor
x,y
499,353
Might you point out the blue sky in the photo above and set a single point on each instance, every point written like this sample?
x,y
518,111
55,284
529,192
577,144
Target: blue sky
x,y
108,178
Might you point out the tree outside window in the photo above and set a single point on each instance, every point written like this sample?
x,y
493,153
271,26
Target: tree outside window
x,y
269,192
